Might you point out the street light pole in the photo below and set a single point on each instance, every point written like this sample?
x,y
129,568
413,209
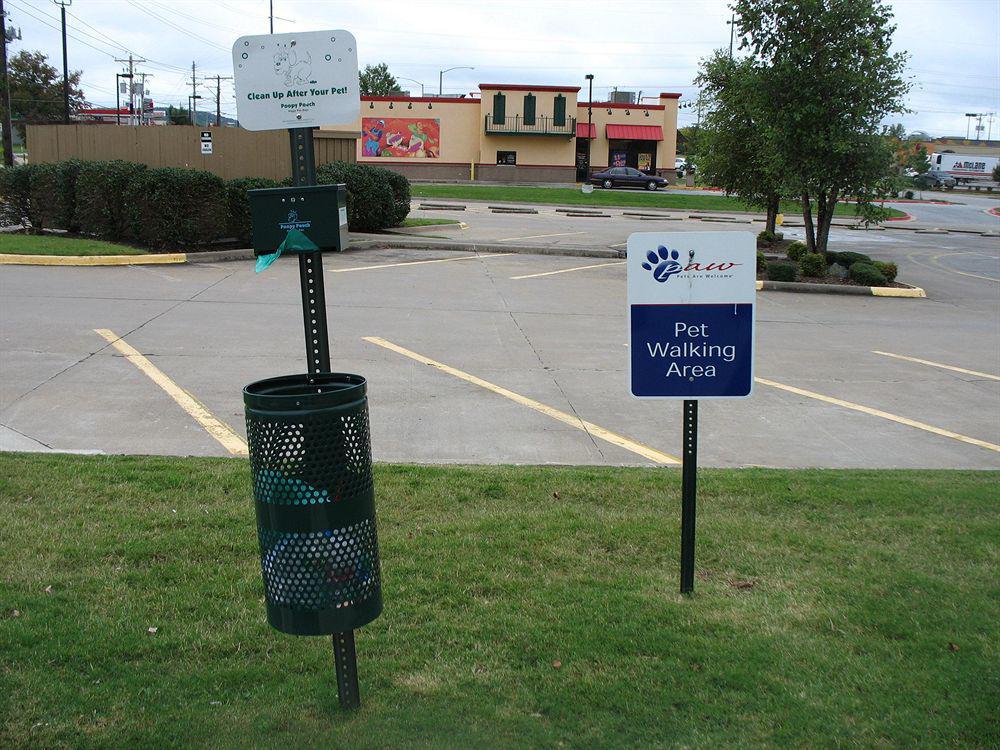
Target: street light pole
x,y
590,117
732,31
62,6
442,72
968,122
412,80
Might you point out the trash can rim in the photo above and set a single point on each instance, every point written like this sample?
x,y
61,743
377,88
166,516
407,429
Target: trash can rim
x,y
296,392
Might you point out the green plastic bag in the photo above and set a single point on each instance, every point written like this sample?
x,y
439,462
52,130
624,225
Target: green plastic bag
x,y
294,242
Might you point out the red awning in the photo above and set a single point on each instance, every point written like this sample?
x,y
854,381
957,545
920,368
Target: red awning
x,y
635,132
581,130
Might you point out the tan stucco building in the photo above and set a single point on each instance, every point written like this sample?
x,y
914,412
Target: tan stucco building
x,y
515,132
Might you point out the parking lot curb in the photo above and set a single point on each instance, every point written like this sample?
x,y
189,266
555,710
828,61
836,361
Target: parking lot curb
x,y
912,292
371,241
11,259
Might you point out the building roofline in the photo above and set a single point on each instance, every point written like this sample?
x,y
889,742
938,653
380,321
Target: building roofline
x,y
668,95
525,87
401,98
619,105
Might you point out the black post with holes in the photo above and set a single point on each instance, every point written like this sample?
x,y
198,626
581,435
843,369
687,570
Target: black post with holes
x,y
689,488
318,352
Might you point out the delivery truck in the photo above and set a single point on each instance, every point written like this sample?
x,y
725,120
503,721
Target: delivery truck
x,y
964,167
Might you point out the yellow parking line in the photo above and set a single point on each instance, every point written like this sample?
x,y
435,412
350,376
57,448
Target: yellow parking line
x,y
213,426
539,236
567,270
589,427
938,364
882,414
416,262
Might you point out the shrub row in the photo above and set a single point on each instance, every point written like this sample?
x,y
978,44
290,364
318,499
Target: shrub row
x,y
860,267
169,207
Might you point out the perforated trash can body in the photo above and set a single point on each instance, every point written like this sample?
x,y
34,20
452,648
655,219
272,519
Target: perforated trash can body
x,y
310,454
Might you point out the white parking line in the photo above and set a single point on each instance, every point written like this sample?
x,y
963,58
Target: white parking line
x,y
567,270
416,262
976,373
539,236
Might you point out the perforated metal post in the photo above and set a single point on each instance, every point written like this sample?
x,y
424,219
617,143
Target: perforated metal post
x,y
689,478
318,353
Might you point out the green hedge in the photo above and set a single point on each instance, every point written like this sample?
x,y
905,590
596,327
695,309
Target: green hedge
x,y
796,250
781,271
16,203
171,206
103,198
371,204
240,223
867,274
813,265
889,270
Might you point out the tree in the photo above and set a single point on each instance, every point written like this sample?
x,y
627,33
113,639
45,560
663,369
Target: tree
x,y
178,116
830,80
376,80
732,150
36,90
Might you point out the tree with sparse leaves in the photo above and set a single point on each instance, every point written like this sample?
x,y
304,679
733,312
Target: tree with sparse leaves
x,y
831,79
36,90
376,80
733,152
178,116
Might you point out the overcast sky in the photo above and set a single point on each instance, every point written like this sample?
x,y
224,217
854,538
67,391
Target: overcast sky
x,y
647,45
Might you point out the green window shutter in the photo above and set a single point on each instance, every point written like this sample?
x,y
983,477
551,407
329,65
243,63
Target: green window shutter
x,y
499,109
559,111
529,109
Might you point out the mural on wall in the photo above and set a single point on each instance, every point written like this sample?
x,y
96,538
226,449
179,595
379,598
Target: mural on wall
x,y
401,136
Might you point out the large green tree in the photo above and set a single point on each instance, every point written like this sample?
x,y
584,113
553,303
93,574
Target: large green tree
x,y
733,152
376,80
831,79
36,89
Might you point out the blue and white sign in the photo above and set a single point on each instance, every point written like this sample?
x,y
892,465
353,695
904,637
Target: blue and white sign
x,y
691,302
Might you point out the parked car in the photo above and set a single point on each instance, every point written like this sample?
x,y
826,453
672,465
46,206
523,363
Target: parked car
x,y
627,177
937,178
683,167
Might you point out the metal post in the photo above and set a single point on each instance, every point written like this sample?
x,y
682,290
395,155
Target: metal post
x,y
590,118
8,137
62,6
346,657
689,488
118,99
318,352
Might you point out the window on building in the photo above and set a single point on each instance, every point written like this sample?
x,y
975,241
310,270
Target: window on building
x,y
499,108
529,109
559,111
507,158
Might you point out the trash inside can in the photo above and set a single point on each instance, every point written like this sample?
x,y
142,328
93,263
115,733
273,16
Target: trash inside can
x,y
310,453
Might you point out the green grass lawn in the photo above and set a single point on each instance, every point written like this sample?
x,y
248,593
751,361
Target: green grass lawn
x,y
427,222
524,607
635,199
33,244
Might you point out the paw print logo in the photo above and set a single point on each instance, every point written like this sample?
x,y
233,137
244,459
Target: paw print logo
x,y
663,263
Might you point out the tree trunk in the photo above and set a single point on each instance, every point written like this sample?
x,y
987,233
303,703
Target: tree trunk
x,y
807,219
828,203
772,214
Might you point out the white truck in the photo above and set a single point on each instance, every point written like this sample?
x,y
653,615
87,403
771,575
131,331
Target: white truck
x,y
964,167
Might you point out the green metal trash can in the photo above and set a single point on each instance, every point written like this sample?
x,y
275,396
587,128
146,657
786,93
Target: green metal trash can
x,y
310,454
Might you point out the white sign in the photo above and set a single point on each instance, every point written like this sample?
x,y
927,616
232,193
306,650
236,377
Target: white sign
x,y
691,302
206,142
296,80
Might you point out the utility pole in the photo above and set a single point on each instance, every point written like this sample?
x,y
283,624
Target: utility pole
x,y
271,3
590,119
142,96
218,97
732,31
8,138
194,95
62,11
131,88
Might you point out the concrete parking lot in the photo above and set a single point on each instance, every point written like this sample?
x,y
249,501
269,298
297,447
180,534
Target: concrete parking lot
x,y
492,357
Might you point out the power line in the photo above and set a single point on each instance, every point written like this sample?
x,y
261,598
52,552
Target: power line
x,y
171,24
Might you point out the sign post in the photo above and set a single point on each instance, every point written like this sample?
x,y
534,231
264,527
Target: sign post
x,y
691,301
298,82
